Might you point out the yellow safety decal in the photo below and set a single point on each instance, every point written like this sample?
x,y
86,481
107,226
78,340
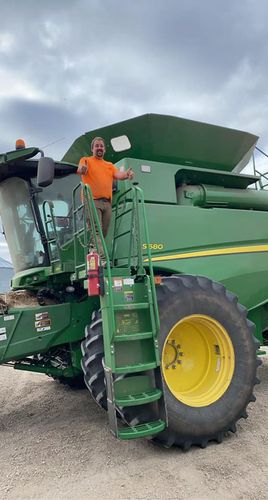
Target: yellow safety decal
x,y
210,253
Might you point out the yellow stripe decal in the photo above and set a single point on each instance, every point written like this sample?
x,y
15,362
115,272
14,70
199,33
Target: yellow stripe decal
x,y
210,253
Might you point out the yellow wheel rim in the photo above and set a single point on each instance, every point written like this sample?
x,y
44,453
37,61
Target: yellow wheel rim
x,y
198,360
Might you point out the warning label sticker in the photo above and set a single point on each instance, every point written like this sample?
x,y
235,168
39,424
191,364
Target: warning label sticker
x,y
42,322
42,315
129,296
118,284
128,281
9,318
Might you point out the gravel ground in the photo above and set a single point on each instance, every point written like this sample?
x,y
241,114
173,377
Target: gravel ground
x,y
56,445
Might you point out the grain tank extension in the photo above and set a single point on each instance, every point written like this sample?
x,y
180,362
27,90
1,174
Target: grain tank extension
x,y
165,337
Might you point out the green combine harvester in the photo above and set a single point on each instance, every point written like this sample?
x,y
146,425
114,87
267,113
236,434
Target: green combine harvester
x,y
166,335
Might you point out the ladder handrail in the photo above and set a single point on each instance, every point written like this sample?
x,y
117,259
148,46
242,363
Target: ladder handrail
x,y
122,199
263,175
149,256
91,230
55,238
76,209
138,201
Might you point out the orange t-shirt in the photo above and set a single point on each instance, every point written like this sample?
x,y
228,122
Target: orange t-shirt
x,y
99,176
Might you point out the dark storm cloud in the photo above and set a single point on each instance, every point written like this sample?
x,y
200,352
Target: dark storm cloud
x,y
42,122
83,64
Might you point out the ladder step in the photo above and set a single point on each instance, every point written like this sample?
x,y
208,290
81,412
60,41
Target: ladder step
x,y
142,430
133,336
134,305
140,367
139,399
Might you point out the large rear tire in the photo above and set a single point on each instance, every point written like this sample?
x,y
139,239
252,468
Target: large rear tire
x,y
208,358
92,360
208,362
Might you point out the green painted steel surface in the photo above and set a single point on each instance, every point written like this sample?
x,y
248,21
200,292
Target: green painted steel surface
x,y
24,333
128,311
173,140
19,154
226,245
203,220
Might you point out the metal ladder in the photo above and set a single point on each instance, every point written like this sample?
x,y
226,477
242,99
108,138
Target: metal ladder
x,y
131,325
132,362
129,312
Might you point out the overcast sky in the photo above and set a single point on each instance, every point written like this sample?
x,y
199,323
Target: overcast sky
x,y
69,66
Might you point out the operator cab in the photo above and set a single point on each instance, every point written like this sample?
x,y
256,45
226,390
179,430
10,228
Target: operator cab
x,y
22,207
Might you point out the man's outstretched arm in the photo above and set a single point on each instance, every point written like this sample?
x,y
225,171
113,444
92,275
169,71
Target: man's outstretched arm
x,y
82,167
129,174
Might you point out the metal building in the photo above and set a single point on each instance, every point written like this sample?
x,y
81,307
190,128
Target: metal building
x,y
6,273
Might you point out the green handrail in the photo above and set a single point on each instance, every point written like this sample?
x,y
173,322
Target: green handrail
x,y
50,219
263,175
92,230
95,222
149,256
134,195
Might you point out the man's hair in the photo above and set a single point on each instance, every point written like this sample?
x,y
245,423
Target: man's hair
x,y
97,139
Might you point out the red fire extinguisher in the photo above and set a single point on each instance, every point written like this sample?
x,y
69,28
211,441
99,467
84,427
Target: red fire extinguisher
x,y
93,267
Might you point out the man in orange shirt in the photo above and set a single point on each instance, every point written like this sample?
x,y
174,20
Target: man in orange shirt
x,y
99,175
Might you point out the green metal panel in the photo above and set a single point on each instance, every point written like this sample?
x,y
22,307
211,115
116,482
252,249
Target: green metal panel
x,y
226,245
229,246
172,140
26,331
159,181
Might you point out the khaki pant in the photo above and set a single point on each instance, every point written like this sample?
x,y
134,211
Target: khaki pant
x,y
104,211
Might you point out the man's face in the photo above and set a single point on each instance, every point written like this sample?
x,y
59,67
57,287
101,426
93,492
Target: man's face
x,y
98,149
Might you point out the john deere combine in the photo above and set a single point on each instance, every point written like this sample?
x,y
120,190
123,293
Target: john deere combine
x,y
159,334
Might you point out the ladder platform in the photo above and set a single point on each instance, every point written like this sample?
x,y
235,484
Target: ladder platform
x,y
137,305
140,367
133,336
142,430
138,399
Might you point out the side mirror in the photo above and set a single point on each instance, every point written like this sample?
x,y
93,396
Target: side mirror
x,y
45,171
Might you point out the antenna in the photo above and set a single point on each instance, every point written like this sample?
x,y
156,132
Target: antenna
x,y
54,142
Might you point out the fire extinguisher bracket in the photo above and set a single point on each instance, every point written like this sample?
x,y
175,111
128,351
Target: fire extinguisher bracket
x,y
94,275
